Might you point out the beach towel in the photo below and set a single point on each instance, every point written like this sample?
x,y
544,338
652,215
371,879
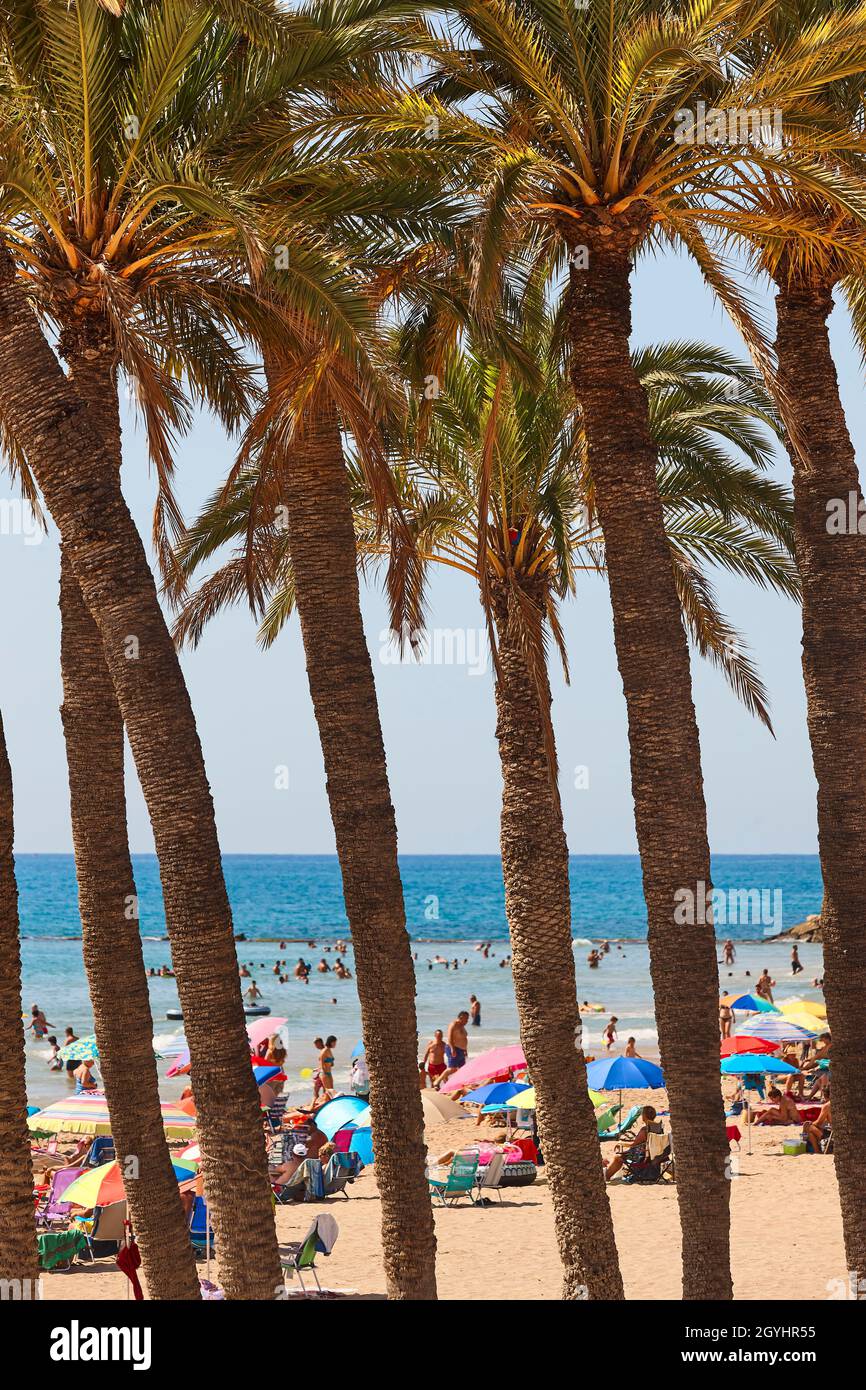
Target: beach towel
x,y
59,1248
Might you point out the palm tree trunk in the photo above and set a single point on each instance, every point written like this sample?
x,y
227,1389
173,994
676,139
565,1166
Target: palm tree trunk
x,y
538,908
670,814
79,482
322,546
113,957
833,572
18,1260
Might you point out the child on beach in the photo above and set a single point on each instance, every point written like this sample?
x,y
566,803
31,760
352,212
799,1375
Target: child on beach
x,y
609,1034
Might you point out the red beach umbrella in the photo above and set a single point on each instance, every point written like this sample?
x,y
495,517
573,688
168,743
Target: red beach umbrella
x,y
732,1046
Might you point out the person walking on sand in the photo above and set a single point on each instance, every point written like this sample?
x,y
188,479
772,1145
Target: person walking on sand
x,y
474,1012
434,1057
796,963
609,1034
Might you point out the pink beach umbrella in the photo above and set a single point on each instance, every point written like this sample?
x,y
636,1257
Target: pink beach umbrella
x,y
488,1064
263,1028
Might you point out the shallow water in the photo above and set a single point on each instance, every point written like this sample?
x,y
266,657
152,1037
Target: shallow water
x,y
268,897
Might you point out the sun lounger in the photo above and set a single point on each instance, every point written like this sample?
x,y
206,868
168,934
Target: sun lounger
x,y
624,1130
55,1211
458,1182
605,1120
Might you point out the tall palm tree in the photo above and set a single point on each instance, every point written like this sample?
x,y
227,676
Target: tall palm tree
x,y
85,200
17,1233
810,245
582,108
519,447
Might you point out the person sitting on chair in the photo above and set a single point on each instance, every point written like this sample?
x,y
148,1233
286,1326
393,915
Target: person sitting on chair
x,y
636,1150
816,1133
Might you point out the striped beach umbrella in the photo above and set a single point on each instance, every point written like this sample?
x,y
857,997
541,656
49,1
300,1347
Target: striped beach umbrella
x,y
88,1114
774,1028
103,1186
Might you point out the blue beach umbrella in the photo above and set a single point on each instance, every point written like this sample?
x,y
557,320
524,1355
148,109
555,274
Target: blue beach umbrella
x,y
358,1050
362,1145
263,1074
339,1114
495,1093
624,1074
749,1003
749,1063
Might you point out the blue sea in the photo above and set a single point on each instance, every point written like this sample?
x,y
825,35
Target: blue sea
x,y
452,902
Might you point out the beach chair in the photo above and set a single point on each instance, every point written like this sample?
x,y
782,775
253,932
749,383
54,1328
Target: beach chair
x,y
300,1256
341,1169
55,1212
624,1130
101,1151
275,1114
459,1181
200,1231
605,1120
655,1165
490,1180
104,1227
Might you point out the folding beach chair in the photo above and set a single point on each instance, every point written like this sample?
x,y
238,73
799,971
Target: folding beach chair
x,y
341,1169
104,1227
101,1151
490,1180
200,1231
55,1212
656,1164
624,1130
605,1120
301,1255
459,1181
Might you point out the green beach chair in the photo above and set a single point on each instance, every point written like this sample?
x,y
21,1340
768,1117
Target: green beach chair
x,y
606,1119
625,1128
460,1181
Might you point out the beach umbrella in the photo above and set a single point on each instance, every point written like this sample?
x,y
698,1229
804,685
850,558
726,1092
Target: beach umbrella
x,y
525,1100
339,1114
494,1094
733,1046
776,1029
357,1051
88,1114
748,1003
487,1065
262,1028
102,1186
78,1051
805,1020
438,1110
624,1074
263,1074
755,1065
191,1154
816,1007
361,1144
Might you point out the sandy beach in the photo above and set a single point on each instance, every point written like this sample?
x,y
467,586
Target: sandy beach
x,y
786,1236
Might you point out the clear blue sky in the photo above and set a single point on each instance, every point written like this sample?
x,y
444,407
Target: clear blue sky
x,y
254,711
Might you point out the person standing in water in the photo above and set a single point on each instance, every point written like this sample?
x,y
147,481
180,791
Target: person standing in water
x,y
474,1011
796,963
38,1022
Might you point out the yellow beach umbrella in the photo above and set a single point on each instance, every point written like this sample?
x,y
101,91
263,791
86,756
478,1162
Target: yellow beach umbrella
x,y
803,1006
525,1100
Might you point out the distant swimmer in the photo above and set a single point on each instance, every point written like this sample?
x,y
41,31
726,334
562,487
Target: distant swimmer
x,y
587,1008
253,992
474,1011
323,967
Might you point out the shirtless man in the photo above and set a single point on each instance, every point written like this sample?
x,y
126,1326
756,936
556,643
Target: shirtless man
x,y
434,1057
630,1049
253,993
38,1022
456,1046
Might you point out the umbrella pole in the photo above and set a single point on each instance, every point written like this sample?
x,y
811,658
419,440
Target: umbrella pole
x,y
749,1119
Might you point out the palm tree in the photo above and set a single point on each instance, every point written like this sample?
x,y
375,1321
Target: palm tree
x,y
584,104
87,205
810,244
520,447
17,1233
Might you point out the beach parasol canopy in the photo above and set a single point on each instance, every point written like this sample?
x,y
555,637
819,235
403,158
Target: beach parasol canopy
x,y
339,1113
262,1028
88,1114
751,1063
525,1100
732,1046
495,1092
624,1074
102,1186
438,1110
486,1066
776,1029
748,1003
804,1006
79,1050
805,1020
